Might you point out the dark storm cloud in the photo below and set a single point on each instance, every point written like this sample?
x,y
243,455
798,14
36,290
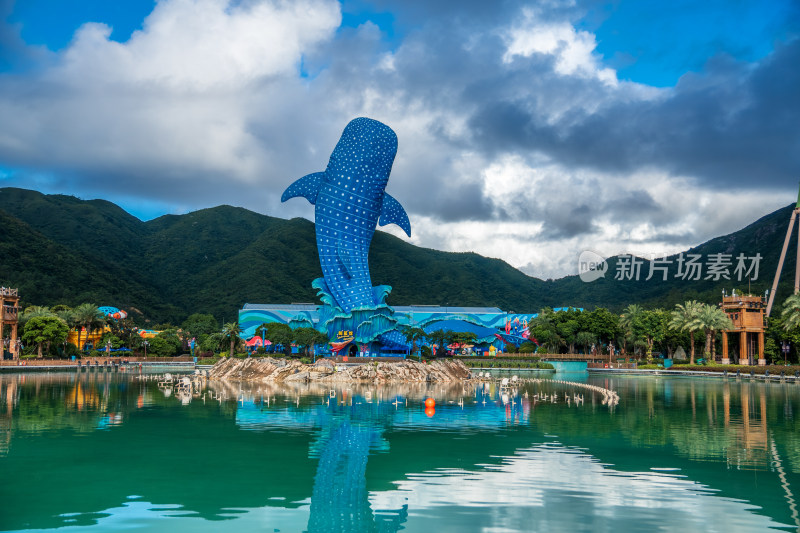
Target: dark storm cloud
x,y
729,126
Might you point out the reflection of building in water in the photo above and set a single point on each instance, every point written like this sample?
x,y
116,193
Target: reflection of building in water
x,y
83,396
9,395
749,445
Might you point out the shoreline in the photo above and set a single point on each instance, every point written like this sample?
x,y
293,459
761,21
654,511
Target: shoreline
x,y
772,378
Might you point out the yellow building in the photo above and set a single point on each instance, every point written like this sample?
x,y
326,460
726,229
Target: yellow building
x,y
92,338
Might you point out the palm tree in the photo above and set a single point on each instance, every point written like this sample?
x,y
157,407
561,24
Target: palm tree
x,y
711,319
683,319
34,311
412,335
791,312
87,316
231,331
585,339
627,320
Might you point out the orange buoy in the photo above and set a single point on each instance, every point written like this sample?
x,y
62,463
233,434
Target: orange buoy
x,y
430,411
430,403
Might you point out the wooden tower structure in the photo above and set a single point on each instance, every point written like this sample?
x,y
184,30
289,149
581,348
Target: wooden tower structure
x,y
792,219
747,314
9,316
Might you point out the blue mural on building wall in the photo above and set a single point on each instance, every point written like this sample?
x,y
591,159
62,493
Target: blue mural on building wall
x,y
350,201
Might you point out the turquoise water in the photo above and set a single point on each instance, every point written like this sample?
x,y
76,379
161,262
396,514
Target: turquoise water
x,y
105,452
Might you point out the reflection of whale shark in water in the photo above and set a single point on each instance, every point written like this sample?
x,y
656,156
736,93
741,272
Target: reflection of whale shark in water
x,y
340,501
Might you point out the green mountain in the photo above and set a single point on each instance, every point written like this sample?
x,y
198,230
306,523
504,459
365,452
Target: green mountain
x,y
764,237
59,249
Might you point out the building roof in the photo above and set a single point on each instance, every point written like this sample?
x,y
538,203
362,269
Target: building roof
x,y
280,307
442,309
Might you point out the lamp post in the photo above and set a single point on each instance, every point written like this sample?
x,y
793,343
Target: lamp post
x,y
785,346
145,348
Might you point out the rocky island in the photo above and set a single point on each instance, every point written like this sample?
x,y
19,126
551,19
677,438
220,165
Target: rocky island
x,y
273,370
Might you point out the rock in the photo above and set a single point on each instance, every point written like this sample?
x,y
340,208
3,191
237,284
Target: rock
x,y
268,369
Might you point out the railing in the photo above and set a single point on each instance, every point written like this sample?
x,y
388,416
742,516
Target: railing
x,y
99,361
613,365
569,357
8,291
9,311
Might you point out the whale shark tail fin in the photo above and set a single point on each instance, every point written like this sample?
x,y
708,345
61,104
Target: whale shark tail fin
x,y
307,187
393,213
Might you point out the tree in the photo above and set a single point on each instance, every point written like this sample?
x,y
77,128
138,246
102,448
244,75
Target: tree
x,y
309,337
165,344
231,331
464,337
212,342
200,324
87,316
41,329
629,322
683,319
567,330
440,338
543,328
601,323
34,311
585,339
412,335
711,319
651,326
279,333
66,314
791,312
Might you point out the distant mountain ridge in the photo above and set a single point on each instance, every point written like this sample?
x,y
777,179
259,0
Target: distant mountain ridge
x,y
60,249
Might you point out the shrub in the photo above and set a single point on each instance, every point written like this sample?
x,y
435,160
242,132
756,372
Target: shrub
x,y
527,347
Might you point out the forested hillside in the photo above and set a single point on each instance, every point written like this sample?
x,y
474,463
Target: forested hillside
x,y
60,249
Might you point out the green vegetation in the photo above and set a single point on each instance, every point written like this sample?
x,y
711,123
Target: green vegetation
x,y
641,334
232,332
62,250
505,362
44,329
165,344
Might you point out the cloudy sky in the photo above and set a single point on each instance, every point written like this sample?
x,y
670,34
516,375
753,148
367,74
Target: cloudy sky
x,y
528,131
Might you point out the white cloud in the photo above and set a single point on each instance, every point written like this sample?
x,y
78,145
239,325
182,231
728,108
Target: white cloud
x,y
504,144
201,45
572,50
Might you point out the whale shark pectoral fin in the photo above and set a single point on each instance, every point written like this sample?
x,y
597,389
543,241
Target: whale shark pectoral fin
x,y
307,187
393,213
344,258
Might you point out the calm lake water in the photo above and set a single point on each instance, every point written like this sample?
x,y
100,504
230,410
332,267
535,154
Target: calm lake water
x,y
104,452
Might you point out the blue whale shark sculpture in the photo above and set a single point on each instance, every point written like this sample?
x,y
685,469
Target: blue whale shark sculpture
x,y
350,200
